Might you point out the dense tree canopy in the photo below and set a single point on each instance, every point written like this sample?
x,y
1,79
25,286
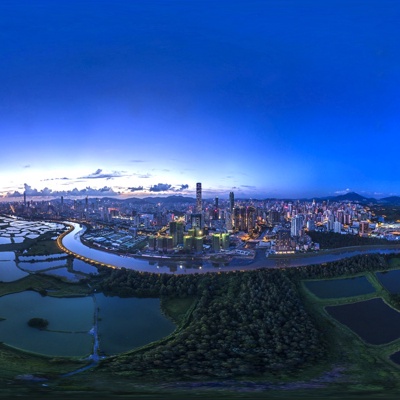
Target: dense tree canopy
x,y
244,323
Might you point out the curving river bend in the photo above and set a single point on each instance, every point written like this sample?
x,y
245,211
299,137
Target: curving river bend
x,y
72,242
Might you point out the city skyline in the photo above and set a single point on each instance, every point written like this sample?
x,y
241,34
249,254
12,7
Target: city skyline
x,y
262,98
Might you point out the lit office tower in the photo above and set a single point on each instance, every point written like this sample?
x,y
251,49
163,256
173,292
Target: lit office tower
x,y
231,201
176,231
364,228
236,218
243,219
340,216
251,219
198,198
296,225
216,209
197,221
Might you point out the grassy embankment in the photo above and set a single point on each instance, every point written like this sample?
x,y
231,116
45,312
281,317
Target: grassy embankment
x,y
368,368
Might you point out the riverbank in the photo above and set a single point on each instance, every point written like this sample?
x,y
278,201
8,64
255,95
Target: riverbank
x,y
71,243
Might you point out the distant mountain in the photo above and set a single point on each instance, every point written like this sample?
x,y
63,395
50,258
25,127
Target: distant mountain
x,y
170,199
394,200
349,197
353,196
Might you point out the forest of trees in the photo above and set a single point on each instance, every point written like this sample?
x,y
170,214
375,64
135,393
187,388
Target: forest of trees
x,y
332,240
244,324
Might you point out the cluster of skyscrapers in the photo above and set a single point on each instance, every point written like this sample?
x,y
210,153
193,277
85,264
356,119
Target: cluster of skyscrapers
x,y
196,225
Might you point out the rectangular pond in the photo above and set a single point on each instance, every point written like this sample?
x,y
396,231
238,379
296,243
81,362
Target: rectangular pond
x,y
42,265
336,288
390,280
373,320
9,272
395,357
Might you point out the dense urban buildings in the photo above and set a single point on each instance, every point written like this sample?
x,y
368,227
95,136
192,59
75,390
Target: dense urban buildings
x,y
200,226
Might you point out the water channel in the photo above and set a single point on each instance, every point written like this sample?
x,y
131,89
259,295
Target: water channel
x,y
73,243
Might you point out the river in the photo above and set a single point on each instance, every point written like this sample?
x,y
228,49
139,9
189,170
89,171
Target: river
x,y
73,243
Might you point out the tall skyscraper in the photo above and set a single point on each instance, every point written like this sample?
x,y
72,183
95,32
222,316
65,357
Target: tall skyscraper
x,y
251,219
25,198
296,225
337,227
236,218
197,221
176,231
198,198
216,209
231,201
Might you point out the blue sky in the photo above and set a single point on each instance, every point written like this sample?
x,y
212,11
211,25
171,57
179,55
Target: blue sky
x,y
263,98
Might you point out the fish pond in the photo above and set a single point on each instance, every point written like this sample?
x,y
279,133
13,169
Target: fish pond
x,y
390,280
395,357
373,320
123,323
336,288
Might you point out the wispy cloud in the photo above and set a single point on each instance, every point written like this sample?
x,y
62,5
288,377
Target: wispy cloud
x,y
55,179
161,187
46,192
182,187
343,191
135,189
98,174
143,176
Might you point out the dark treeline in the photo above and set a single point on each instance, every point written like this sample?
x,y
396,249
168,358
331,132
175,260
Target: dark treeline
x,y
244,324
347,266
332,240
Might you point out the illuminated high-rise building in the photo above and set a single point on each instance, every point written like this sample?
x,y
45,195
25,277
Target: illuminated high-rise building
x,y
340,216
337,227
197,220
198,198
216,239
236,218
231,201
243,219
176,231
364,228
296,225
216,209
251,218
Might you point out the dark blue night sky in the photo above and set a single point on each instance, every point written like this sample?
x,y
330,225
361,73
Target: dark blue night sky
x,y
265,98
